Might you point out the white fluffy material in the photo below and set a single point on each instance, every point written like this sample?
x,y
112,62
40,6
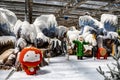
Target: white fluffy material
x,y
101,25
76,32
61,30
86,29
17,27
54,39
50,20
72,28
89,38
111,35
72,35
21,43
31,56
32,37
25,27
85,34
5,39
113,19
2,19
28,31
88,19
7,16
87,47
40,25
42,36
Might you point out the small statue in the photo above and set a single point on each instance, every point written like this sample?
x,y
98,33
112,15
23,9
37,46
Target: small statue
x,y
80,47
102,53
30,58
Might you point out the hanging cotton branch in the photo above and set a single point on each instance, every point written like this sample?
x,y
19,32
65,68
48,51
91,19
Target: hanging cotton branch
x,y
114,72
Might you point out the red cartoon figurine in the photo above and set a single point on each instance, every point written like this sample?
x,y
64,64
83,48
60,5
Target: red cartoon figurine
x,y
102,53
30,58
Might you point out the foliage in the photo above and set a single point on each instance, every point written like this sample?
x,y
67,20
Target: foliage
x,y
115,72
118,31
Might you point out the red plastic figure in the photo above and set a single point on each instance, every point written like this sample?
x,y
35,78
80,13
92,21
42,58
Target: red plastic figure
x,y
30,58
102,53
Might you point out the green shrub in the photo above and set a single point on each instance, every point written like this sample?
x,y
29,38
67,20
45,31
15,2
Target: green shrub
x,y
118,31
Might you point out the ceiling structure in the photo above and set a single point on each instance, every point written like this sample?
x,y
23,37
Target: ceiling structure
x,y
67,12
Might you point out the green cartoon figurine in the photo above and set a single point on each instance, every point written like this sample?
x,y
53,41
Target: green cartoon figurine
x,y
80,47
